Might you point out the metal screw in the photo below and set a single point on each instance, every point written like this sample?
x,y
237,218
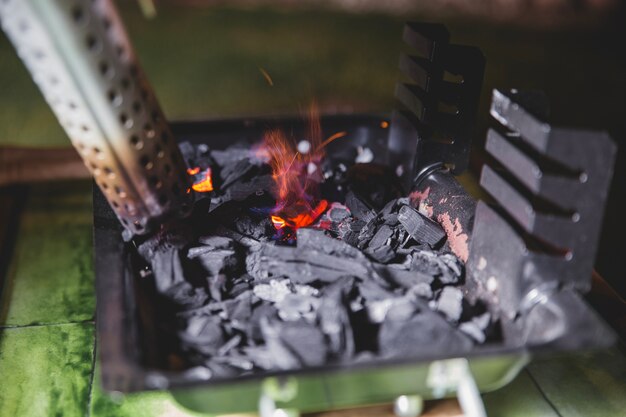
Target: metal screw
x,y
408,406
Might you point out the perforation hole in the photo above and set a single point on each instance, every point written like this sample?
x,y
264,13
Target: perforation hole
x,y
72,106
155,182
149,131
78,15
168,169
120,192
85,129
93,44
125,83
106,70
126,121
104,186
115,98
109,172
146,162
106,23
115,204
159,152
138,226
119,49
164,137
155,116
130,209
137,107
136,142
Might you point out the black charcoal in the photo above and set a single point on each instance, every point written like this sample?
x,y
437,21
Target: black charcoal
x,y
294,307
381,237
450,303
169,278
274,291
263,311
359,209
420,227
282,357
401,277
203,333
217,242
236,171
337,212
301,265
366,280
231,155
216,284
446,268
382,254
217,260
305,341
424,334
334,317
313,239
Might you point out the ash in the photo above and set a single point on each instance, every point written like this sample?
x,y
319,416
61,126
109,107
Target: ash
x,y
371,279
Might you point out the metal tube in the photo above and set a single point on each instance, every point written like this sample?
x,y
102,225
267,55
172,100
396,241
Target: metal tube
x,y
79,55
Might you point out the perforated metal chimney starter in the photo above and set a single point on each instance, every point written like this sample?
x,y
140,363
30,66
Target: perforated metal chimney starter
x,y
79,55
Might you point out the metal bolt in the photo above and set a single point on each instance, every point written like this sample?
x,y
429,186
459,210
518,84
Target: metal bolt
x,y
408,406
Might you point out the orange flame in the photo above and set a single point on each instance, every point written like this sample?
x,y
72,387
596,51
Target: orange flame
x,y
294,173
205,184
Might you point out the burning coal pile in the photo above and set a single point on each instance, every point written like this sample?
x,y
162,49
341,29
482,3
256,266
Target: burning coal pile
x,y
293,258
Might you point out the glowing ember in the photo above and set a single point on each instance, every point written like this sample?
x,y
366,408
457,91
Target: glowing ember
x,y
302,219
205,184
297,176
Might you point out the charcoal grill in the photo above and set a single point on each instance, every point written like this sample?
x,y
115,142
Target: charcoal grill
x,y
529,251
130,349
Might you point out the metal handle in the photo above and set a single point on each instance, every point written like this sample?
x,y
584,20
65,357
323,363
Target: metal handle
x,y
79,55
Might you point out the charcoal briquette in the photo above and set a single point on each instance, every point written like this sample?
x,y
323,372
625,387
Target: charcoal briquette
x,y
334,317
305,341
338,212
450,303
217,260
359,208
399,276
381,237
420,227
282,356
203,333
294,307
426,333
216,242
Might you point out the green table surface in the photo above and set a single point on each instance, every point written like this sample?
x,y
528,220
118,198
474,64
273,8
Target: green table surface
x,y
47,331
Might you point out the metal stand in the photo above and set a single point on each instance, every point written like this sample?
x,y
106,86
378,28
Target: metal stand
x,y
455,375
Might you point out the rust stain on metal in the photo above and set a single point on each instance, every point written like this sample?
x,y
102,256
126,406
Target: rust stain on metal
x,y
419,199
457,238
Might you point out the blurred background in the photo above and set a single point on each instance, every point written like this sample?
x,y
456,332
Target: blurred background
x,y
219,59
